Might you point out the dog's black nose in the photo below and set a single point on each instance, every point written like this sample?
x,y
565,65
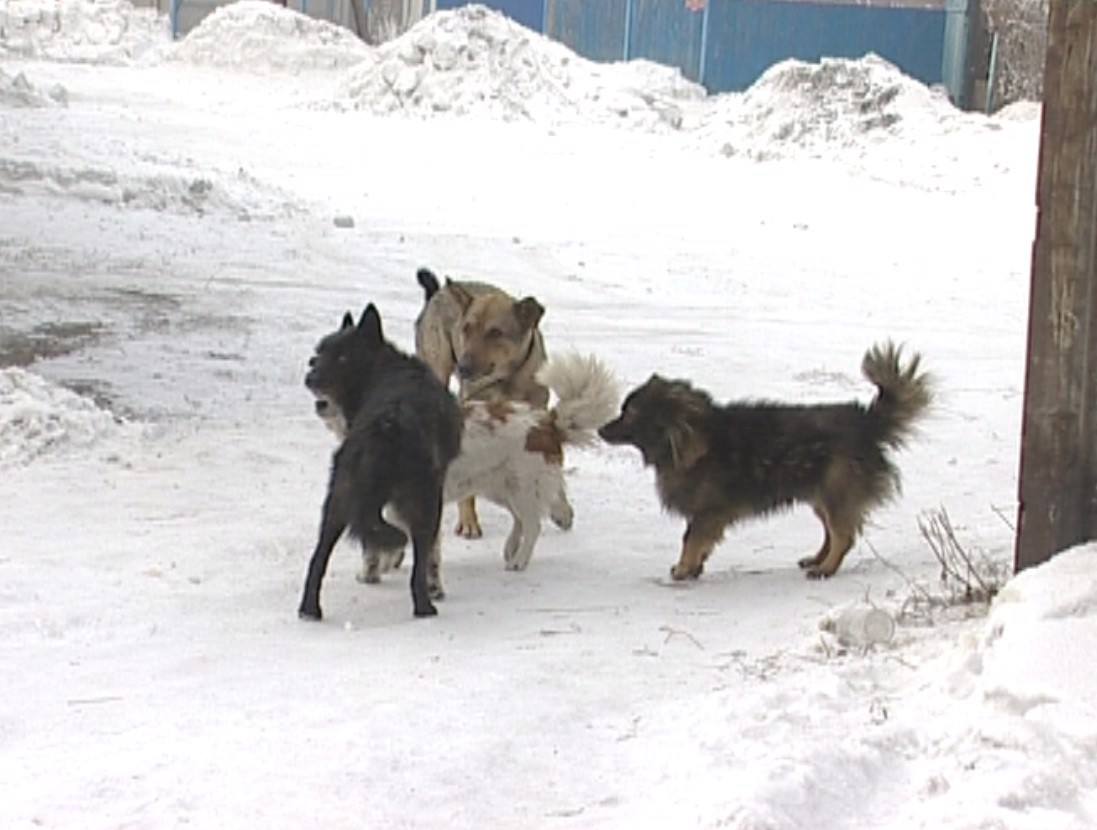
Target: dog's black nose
x,y
465,370
312,362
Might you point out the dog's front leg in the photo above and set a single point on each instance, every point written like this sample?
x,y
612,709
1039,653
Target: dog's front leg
x,y
332,524
701,536
468,523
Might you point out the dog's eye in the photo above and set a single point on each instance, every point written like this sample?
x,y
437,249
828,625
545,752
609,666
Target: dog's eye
x,y
494,333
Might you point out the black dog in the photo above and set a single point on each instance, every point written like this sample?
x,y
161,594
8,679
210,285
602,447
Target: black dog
x,y
404,429
717,465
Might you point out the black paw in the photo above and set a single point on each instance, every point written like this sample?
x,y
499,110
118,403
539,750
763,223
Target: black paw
x,y
309,611
426,610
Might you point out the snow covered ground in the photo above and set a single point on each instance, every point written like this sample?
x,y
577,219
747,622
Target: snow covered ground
x,y
168,258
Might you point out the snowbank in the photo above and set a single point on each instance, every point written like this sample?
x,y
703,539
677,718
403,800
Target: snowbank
x,y
38,417
258,36
17,91
475,61
802,108
240,196
80,31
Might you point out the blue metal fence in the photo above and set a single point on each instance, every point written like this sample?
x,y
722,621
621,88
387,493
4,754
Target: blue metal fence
x,y
530,13
746,37
727,44
594,30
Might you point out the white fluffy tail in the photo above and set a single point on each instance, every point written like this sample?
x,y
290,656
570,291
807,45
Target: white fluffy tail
x,y
587,395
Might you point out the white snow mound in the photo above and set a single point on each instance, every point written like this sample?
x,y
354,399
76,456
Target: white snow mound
x,y
80,31
38,417
259,36
17,91
476,61
796,107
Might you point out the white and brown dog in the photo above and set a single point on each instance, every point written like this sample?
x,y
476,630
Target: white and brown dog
x,y
512,454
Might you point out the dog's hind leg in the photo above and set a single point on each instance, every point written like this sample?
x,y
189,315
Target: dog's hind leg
x,y
332,524
561,512
434,575
514,538
816,560
841,533
701,536
424,534
527,520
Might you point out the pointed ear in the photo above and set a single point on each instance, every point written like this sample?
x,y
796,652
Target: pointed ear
x,y
529,312
369,326
687,445
348,321
459,293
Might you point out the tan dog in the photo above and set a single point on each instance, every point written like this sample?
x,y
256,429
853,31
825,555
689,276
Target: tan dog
x,y
494,344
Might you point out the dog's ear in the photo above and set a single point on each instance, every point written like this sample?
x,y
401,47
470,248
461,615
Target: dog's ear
x,y
348,320
459,293
687,445
528,312
369,326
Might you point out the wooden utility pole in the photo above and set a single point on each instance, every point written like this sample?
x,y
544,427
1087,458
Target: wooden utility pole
x,y
1058,476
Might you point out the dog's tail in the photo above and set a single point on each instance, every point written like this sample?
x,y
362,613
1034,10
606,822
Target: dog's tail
x,y
904,393
428,281
587,395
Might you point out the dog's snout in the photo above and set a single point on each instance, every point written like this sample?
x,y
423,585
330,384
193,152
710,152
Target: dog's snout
x,y
465,370
312,362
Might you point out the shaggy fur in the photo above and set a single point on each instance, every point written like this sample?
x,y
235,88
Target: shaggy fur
x,y
493,342
512,454
716,465
402,429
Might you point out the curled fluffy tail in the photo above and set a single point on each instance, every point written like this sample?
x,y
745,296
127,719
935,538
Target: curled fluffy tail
x,y
904,393
587,395
429,283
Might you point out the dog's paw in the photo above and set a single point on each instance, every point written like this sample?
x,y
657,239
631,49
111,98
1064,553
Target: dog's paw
x,y
368,577
562,515
815,572
436,592
426,609
679,572
808,562
309,611
468,529
515,564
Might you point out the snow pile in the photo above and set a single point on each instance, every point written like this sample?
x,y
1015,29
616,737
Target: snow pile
x,y
798,108
80,31
259,36
39,417
17,91
1020,736
476,61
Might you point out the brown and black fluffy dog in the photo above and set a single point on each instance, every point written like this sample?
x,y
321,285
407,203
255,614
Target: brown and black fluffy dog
x,y
717,465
